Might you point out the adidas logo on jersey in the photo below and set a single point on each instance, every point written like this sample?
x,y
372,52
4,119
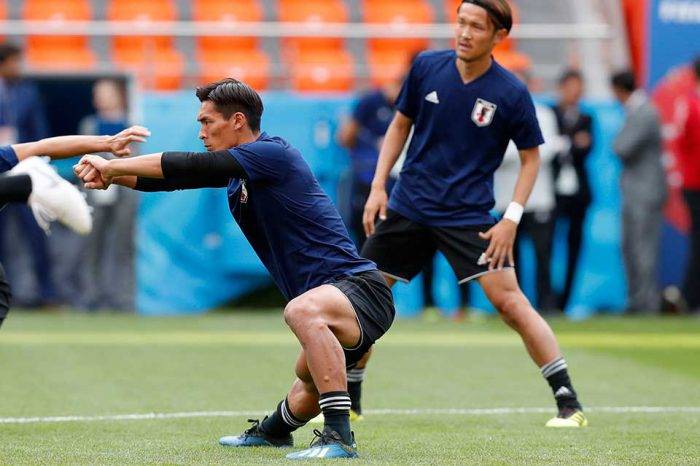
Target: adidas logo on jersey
x,y
432,97
563,391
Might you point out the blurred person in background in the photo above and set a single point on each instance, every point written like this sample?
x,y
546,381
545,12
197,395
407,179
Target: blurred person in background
x,y
688,124
108,262
571,186
22,119
538,218
643,186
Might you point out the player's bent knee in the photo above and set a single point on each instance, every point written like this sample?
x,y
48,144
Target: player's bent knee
x,y
510,304
302,313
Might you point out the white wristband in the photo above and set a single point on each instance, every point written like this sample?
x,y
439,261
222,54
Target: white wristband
x,y
514,212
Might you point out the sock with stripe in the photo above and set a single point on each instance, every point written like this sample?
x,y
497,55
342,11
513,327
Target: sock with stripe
x,y
336,413
355,379
282,422
557,376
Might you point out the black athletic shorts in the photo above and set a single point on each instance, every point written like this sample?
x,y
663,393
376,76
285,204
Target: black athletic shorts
x,y
5,295
401,247
371,298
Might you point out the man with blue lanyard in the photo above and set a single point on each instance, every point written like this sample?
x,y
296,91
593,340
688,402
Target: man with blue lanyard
x,y
339,304
26,178
465,108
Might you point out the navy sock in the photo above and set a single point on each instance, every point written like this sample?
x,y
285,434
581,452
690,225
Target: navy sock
x,y
336,413
557,376
355,379
282,422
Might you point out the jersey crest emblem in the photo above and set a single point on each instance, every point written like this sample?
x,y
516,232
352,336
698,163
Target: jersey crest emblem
x,y
483,112
244,193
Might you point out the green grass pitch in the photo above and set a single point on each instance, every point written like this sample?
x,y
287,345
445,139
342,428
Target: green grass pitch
x,y
638,377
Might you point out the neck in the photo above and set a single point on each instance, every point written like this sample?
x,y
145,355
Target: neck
x,y
249,136
470,70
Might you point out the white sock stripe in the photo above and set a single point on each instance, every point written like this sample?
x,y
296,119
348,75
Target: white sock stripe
x,y
552,363
554,370
339,404
334,398
356,376
287,417
553,367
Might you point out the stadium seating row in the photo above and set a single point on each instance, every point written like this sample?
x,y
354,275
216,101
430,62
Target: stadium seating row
x,y
313,63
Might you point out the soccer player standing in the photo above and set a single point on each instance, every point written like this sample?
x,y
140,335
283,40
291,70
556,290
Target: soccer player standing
x,y
339,304
465,108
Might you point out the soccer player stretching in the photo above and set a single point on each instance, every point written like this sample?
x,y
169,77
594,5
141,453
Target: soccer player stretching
x,y
28,179
465,108
339,304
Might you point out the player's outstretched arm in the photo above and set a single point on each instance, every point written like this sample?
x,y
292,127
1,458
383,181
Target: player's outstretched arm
x,y
502,235
69,146
394,141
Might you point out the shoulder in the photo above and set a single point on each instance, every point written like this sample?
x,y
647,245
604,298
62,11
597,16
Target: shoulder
x,y
512,85
429,59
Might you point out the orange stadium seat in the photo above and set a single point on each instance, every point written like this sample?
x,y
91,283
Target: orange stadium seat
x,y
313,13
54,51
142,13
3,15
154,59
228,12
322,71
250,66
388,58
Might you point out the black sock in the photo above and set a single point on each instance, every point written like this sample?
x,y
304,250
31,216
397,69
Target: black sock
x,y
355,379
557,376
282,422
336,413
15,188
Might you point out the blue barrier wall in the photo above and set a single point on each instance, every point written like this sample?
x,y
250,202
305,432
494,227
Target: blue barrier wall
x,y
192,256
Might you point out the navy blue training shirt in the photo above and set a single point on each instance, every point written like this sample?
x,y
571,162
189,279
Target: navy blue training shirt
x,y
8,158
461,134
291,223
373,113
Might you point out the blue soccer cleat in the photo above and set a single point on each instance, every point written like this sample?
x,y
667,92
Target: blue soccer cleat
x,y
326,445
255,437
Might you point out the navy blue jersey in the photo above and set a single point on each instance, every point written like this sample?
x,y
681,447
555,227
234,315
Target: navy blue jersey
x,y
8,158
461,134
291,223
373,114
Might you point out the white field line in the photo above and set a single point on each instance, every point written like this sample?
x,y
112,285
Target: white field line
x,y
405,412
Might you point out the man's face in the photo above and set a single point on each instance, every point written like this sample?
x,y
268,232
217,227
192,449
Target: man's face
x,y
475,33
11,68
571,91
217,132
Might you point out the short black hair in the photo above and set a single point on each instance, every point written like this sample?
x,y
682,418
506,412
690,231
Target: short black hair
x,y
624,80
9,50
500,12
696,67
570,73
230,96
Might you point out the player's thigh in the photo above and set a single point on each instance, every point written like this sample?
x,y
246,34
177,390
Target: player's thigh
x,y
328,305
464,249
399,246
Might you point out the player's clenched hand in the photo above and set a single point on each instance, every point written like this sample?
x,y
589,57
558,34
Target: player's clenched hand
x,y
119,143
93,171
501,239
376,204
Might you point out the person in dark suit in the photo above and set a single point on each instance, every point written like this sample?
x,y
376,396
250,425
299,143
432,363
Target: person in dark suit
x,y
573,192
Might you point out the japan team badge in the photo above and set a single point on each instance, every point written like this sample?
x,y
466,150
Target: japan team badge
x,y
483,112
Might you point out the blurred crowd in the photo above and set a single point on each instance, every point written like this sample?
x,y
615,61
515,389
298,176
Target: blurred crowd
x,y
90,273
97,271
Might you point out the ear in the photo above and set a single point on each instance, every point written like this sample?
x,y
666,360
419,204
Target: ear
x,y
500,36
239,120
